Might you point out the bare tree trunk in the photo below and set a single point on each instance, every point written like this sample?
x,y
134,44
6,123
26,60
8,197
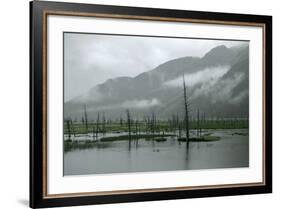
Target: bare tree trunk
x,y
86,118
155,124
136,125
146,125
137,129
173,123
198,125
72,127
186,113
97,125
94,132
180,131
68,129
121,121
129,127
83,122
103,124
152,125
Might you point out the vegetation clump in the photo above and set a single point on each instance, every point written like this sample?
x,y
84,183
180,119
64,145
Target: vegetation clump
x,y
201,139
159,137
239,134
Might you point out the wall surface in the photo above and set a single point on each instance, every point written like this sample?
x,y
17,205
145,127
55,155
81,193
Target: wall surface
x,y
14,105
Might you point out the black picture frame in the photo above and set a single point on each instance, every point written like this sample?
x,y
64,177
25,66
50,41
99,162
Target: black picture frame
x,y
38,11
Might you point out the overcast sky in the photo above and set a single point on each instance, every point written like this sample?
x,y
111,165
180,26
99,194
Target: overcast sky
x,y
92,59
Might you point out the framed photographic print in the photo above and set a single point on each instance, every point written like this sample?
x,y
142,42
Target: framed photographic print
x,y
140,104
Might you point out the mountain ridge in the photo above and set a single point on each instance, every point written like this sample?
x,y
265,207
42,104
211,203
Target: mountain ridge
x,y
153,91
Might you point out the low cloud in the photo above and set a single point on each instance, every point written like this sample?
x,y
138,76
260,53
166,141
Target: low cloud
x,y
129,104
91,96
207,76
141,104
239,97
225,88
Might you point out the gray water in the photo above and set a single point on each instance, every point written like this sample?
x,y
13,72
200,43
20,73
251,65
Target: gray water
x,y
232,151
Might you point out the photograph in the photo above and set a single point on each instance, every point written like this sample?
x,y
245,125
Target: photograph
x,y
133,104
140,103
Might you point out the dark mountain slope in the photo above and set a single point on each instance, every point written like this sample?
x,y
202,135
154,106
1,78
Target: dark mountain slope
x,y
226,94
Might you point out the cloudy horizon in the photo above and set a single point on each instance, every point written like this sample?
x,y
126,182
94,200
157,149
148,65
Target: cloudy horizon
x,y
91,59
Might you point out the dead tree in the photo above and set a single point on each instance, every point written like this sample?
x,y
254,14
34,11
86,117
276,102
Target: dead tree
x,y
170,124
177,120
86,118
94,132
121,121
83,121
198,123
173,123
129,127
152,125
136,126
204,118
186,110
155,124
137,129
146,124
179,130
72,127
103,124
68,128
97,125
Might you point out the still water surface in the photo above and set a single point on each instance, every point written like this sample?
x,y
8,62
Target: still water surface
x,y
231,151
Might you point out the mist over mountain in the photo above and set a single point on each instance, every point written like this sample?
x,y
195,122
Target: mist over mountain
x,y
217,84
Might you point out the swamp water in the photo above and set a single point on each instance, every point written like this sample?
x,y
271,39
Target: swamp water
x,y
231,151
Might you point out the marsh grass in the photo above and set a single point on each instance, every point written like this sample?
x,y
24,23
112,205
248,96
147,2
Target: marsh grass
x,y
161,126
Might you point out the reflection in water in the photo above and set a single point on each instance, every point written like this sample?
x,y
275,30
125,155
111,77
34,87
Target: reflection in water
x,y
163,155
187,153
187,157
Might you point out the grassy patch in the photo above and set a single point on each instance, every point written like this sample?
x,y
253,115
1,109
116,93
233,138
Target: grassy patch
x,y
160,139
134,137
201,139
239,134
88,144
